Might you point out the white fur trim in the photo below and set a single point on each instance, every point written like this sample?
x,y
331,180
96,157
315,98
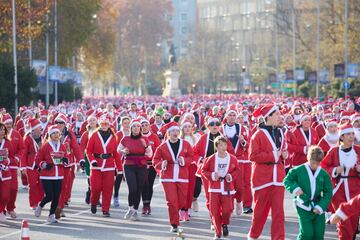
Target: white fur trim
x,y
163,166
320,209
54,131
8,121
273,109
341,214
213,176
173,128
210,120
334,173
35,127
346,130
296,190
230,178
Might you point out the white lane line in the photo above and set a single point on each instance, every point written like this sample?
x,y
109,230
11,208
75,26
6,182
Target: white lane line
x,y
42,224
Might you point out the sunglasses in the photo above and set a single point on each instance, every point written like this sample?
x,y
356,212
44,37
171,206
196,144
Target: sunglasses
x,y
59,123
214,123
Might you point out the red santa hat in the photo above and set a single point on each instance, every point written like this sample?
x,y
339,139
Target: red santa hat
x,y
172,126
212,119
346,128
144,120
135,122
345,115
44,113
196,107
61,118
104,119
185,123
6,118
355,117
53,129
265,111
34,124
331,122
231,109
304,117
327,113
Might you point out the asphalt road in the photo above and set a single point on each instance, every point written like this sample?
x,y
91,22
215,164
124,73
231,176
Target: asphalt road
x,y
81,224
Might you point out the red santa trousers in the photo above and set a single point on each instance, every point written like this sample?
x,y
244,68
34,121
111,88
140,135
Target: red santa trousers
x,y
13,190
239,184
221,207
71,182
265,199
206,190
346,229
101,183
175,194
191,186
4,194
64,188
36,192
247,197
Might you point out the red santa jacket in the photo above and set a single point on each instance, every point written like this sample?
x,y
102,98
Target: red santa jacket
x,y
72,148
325,145
267,169
349,179
239,149
349,209
17,141
320,130
49,154
7,156
298,144
154,128
96,145
154,142
84,140
173,172
28,153
211,165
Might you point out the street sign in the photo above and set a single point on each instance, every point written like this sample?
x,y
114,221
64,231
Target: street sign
x,y
40,69
324,76
275,85
299,74
353,70
312,77
289,75
339,70
346,85
54,73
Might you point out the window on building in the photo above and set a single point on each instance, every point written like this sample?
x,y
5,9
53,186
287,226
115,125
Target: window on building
x,y
184,30
183,17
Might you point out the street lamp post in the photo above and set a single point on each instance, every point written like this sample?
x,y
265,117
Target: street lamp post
x,y
317,46
294,42
47,98
55,50
15,55
346,42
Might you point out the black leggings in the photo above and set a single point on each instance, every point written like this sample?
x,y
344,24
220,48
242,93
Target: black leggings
x,y
117,183
52,189
135,179
197,189
147,192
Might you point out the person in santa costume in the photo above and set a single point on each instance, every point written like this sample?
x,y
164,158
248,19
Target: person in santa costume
x,y
237,135
7,156
102,154
136,150
192,138
69,140
16,141
204,148
44,121
90,129
76,125
158,123
221,170
32,143
347,210
124,131
331,137
51,159
321,127
343,165
300,139
312,191
267,151
154,142
355,120
171,160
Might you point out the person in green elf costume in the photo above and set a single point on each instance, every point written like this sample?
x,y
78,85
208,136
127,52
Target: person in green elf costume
x,y
312,189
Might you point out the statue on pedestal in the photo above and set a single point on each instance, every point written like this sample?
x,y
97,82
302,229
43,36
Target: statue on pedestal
x,y
172,56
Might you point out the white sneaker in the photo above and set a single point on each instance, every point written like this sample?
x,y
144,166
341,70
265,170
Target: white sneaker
x,y
2,217
116,202
13,214
239,208
38,211
134,216
212,228
327,217
195,206
52,219
129,213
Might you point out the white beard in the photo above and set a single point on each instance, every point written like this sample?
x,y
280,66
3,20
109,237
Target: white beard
x,y
332,139
357,134
297,118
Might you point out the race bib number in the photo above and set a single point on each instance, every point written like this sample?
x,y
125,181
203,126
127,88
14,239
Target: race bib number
x,y
57,157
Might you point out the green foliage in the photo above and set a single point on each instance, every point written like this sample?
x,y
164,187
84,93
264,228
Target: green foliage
x,y
26,81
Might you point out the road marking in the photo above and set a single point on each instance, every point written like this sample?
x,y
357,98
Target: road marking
x,y
45,223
